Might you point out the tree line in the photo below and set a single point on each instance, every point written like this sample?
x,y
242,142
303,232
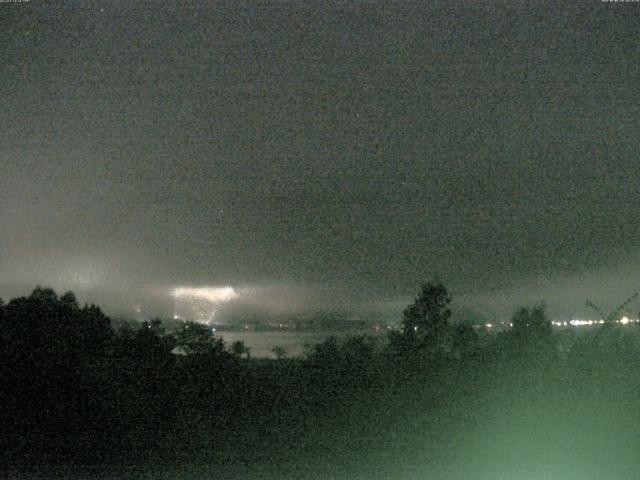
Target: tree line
x,y
77,389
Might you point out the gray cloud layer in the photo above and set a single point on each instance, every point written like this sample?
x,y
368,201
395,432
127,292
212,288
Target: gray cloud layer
x,y
352,149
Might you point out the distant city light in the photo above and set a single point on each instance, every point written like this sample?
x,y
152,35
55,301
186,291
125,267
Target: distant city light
x,y
580,322
577,323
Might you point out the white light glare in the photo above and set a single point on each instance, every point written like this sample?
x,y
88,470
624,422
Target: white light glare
x,y
578,323
211,294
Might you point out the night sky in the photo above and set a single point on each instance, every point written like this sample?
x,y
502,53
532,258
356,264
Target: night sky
x,y
322,154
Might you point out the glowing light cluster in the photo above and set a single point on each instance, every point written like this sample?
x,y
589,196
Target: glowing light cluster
x,y
200,303
577,323
210,294
580,323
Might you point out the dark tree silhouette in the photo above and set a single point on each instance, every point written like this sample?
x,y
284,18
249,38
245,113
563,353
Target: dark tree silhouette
x,y
49,348
148,344
196,338
464,340
358,351
43,328
325,352
531,324
429,313
238,348
425,323
69,300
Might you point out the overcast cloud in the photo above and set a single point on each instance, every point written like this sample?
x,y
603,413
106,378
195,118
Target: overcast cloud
x,y
331,154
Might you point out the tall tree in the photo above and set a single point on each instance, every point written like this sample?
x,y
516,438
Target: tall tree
x,y
425,323
531,323
196,338
429,314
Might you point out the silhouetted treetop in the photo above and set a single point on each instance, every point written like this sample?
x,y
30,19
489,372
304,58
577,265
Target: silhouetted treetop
x,y
196,338
42,325
69,299
530,323
239,348
429,314
41,294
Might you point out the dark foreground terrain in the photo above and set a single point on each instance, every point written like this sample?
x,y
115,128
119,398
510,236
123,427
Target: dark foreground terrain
x,y
81,400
